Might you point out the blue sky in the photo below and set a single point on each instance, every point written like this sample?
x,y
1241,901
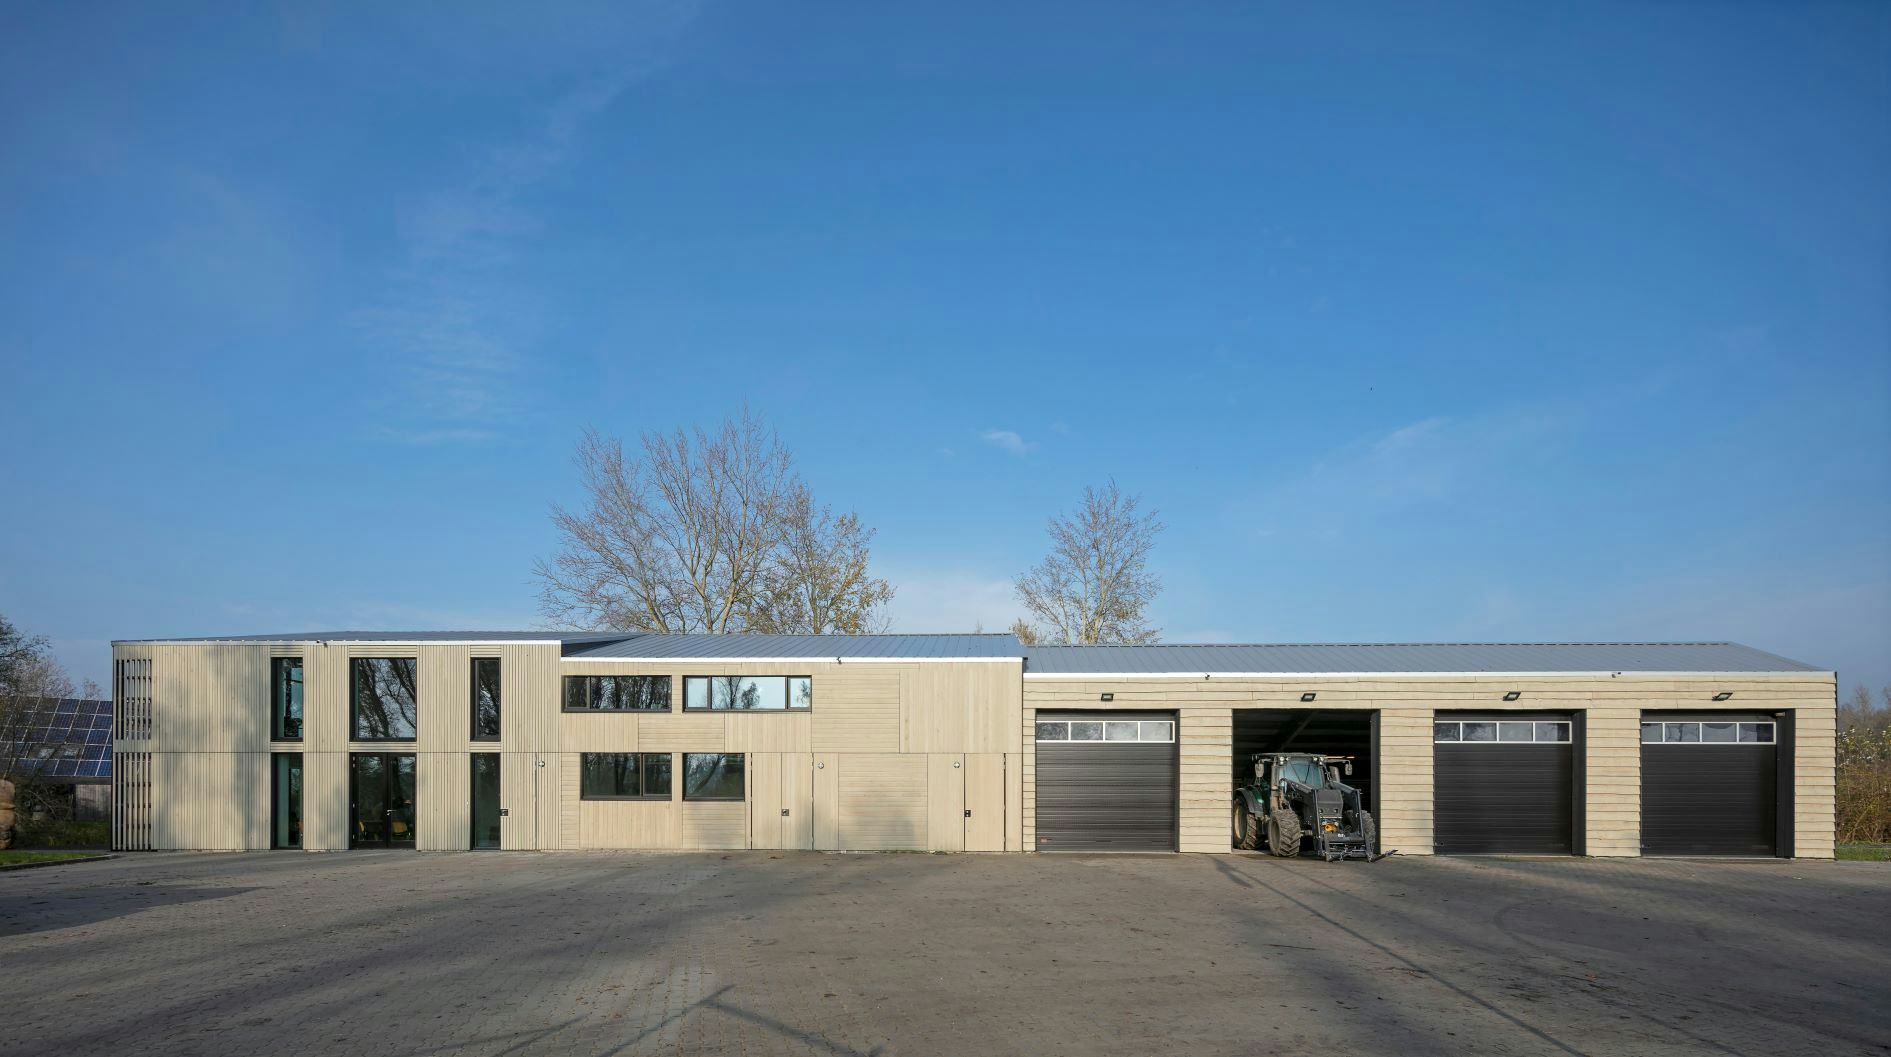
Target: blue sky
x,y
1415,325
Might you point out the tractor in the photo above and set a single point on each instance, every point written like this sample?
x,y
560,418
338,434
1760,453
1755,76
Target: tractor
x,y
1296,796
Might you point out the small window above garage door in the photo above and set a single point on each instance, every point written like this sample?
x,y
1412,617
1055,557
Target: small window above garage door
x,y
1152,731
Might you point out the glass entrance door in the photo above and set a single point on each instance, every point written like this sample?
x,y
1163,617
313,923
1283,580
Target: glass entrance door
x,y
381,800
486,800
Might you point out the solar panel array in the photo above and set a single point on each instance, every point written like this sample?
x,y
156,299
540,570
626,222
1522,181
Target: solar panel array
x,y
62,737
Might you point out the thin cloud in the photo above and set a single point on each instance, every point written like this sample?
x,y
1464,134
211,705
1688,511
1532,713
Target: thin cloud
x,y
1007,441
458,326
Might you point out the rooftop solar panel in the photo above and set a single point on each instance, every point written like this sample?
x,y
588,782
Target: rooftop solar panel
x,y
66,737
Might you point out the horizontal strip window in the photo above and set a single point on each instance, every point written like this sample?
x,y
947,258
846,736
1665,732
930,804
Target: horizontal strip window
x,y
617,693
1500,732
624,776
1707,732
747,693
1146,730
714,776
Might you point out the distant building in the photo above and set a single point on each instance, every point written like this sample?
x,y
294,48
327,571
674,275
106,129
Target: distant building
x,y
66,743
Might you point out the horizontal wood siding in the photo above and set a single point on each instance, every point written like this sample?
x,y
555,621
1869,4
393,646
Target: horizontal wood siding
x,y
1406,707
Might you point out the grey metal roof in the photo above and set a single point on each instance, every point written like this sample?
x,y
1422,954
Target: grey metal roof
x,y
1443,657
800,647
400,636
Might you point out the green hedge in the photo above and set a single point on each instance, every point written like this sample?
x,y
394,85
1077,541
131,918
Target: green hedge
x,y
51,833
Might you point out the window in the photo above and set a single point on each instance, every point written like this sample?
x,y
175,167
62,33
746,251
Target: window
x,y
384,696
712,776
1708,732
285,800
1507,732
748,693
624,776
1147,730
485,699
617,693
285,698
486,810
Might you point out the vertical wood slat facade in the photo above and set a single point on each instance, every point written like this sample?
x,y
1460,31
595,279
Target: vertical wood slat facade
x,y
871,761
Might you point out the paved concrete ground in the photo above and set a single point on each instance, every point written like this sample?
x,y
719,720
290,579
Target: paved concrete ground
x,y
389,953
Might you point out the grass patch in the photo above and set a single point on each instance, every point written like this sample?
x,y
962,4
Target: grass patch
x,y
1865,852
15,858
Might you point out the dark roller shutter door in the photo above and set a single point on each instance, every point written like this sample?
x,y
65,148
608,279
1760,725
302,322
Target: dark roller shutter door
x,y
1503,798
1709,799
1107,796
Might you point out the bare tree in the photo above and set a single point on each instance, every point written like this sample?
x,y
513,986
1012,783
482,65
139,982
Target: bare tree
x,y
705,532
1024,632
819,581
1862,713
1095,584
28,672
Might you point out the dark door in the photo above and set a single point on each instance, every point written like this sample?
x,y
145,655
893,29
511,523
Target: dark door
x,y
1709,785
1106,781
1503,784
486,800
381,800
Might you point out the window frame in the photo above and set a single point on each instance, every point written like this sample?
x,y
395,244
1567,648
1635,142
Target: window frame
x,y
275,798
688,799
660,798
276,665
787,695
472,800
1103,738
354,702
472,703
564,696
1567,730
1771,730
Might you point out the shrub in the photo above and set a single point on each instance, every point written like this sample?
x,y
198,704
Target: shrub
x,y
61,833
1864,785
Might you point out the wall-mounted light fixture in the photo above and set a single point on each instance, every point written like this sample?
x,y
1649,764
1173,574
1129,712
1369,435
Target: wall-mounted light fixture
x,y
1107,697
1723,695
1513,695
1308,696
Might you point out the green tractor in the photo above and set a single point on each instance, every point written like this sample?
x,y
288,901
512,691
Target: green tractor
x,y
1297,796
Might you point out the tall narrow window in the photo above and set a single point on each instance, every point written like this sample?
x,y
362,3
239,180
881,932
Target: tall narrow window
x,y
485,800
285,812
485,699
384,696
285,698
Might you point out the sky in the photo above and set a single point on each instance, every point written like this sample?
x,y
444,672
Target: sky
x,y
1483,323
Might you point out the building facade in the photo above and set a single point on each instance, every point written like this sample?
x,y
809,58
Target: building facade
x,y
545,741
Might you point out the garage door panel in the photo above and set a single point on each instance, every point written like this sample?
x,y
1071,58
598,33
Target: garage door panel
x,y
1107,796
1504,798
1709,800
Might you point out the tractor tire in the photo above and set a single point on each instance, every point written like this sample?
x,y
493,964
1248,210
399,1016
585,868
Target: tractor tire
x,y
1247,827
1283,834
1369,829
